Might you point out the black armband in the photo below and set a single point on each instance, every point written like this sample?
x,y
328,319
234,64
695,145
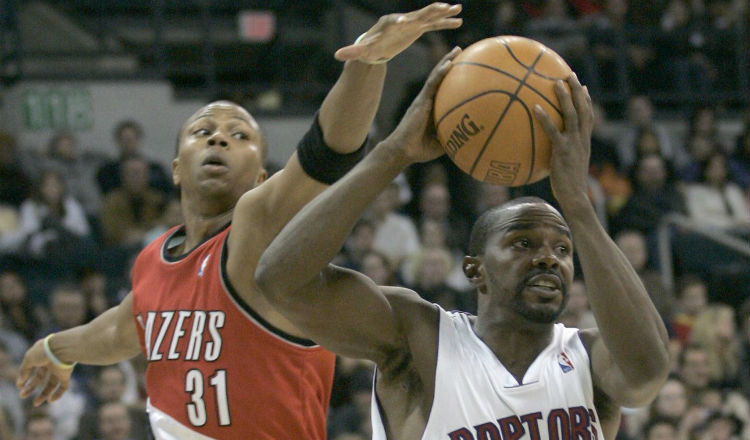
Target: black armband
x,y
322,163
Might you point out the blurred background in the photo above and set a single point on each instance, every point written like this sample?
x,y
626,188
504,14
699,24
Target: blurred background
x,y
93,92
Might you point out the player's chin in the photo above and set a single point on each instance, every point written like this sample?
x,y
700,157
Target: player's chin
x,y
541,312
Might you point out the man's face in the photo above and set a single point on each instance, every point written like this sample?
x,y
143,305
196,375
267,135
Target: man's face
x,y
662,431
220,152
111,385
694,370
40,429
528,262
672,399
633,246
129,141
68,308
114,422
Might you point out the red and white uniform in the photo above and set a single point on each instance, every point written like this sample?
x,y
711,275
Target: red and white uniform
x,y
216,369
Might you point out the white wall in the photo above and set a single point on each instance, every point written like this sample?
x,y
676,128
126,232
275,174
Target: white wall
x,y
104,104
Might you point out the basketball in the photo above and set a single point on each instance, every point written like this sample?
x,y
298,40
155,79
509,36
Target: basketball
x,y
484,109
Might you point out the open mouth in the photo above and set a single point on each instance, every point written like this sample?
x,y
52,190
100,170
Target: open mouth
x,y
546,286
214,162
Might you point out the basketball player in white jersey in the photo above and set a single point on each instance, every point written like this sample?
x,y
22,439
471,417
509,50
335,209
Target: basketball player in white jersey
x,y
510,372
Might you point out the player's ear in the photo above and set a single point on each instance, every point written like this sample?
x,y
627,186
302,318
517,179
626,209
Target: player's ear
x,y
474,271
261,177
175,171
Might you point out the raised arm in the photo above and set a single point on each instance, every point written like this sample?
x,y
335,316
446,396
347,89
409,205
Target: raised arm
x,y
339,308
344,120
108,339
629,351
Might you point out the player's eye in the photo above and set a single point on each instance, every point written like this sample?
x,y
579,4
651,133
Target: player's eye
x,y
201,132
563,250
240,135
523,243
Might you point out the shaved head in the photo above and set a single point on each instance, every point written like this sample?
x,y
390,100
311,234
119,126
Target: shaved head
x,y
492,221
242,114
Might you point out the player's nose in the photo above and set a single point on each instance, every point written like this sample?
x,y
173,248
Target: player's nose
x,y
545,258
217,139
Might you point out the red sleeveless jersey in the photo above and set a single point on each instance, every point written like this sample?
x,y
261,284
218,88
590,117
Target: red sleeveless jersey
x,y
214,365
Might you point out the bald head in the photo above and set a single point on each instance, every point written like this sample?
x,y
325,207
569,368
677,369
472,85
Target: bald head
x,y
229,109
500,217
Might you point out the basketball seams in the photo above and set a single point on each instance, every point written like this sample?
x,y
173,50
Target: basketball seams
x,y
510,75
513,98
510,52
480,110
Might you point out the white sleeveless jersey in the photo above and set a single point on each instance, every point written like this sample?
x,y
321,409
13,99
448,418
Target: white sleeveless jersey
x,y
476,398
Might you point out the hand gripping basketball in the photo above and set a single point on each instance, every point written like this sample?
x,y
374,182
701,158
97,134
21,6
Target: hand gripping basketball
x,y
414,138
484,109
395,32
572,145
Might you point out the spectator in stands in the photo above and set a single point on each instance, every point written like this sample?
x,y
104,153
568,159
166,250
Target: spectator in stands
x,y
67,306
721,426
640,116
670,404
13,341
683,42
396,235
715,330
577,312
11,405
435,203
488,196
508,19
15,184
39,426
171,216
358,244
654,196
93,284
741,157
377,266
129,211
68,309
632,243
53,225
695,372
20,314
556,28
109,387
692,297
427,273
354,416
76,168
744,356
623,51
660,429
114,422
717,202
128,136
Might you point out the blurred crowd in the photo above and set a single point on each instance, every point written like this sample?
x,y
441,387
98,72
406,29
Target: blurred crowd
x,y
72,219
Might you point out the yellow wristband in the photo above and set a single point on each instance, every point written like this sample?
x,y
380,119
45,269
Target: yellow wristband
x,y
378,61
51,356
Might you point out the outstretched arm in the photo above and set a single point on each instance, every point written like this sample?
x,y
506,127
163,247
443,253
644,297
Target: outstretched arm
x,y
629,352
339,308
344,119
108,339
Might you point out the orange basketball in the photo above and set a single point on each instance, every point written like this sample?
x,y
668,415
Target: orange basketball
x,y
484,109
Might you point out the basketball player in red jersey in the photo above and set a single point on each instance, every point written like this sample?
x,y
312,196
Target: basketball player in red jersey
x,y
510,372
222,363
